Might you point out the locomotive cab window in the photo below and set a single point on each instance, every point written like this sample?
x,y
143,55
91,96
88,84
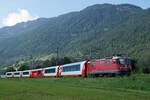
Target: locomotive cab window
x,y
117,61
121,61
128,61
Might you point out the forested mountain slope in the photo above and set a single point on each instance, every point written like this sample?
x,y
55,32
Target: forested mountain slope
x,y
99,30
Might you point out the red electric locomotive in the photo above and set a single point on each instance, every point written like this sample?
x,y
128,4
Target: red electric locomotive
x,y
116,65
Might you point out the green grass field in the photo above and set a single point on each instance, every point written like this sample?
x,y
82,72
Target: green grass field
x,y
134,87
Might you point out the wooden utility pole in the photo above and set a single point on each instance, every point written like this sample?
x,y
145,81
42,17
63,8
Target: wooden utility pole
x,y
90,53
57,55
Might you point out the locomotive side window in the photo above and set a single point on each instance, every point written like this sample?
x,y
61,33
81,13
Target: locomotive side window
x,y
93,64
71,68
53,70
107,62
25,73
17,73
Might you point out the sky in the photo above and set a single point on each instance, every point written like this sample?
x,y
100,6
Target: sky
x,y
16,11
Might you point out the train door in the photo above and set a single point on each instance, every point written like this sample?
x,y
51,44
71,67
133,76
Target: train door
x,y
57,73
34,74
40,72
84,69
60,70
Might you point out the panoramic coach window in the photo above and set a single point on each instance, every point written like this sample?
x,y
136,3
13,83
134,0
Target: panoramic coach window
x,y
17,73
9,73
25,73
50,70
71,68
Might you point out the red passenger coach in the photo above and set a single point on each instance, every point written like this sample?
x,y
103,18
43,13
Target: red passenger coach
x,y
35,73
116,65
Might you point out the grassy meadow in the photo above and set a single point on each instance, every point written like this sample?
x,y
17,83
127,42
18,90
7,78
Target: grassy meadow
x,y
134,87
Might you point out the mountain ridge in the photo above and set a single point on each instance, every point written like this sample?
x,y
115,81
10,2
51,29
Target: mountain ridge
x,y
105,28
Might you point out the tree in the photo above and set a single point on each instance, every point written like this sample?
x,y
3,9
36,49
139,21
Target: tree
x,y
10,69
23,67
144,62
46,63
37,67
59,61
65,60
